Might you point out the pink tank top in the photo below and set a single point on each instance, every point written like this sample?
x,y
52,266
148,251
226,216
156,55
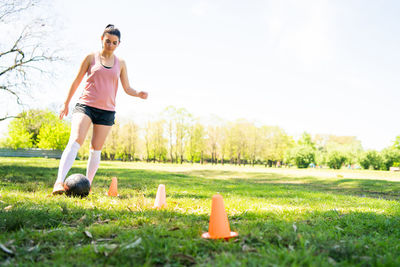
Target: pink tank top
x,y
101,85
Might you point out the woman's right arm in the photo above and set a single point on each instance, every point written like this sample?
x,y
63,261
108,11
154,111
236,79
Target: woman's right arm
x,y
82,71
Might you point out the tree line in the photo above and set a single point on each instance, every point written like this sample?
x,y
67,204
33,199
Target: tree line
x,y
177,136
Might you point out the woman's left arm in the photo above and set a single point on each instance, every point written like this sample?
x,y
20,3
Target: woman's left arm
x,y
125,83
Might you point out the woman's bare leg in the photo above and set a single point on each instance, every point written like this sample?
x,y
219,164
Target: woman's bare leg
x,y
100,133
79,128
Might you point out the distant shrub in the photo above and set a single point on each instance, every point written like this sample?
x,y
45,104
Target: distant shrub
x,y
390,156
37,128
301,156
371,159
54,136
335,159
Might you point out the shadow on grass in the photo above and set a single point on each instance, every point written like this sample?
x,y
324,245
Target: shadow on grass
x,y
55,233
264,185
204,183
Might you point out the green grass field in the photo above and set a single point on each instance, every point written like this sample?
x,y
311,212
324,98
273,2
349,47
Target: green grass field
x,y
284,217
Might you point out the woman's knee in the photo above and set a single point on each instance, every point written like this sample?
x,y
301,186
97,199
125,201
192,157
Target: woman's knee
x,y
78,139
96,147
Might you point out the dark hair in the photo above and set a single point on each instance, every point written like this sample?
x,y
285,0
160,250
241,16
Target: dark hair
x,y
110,29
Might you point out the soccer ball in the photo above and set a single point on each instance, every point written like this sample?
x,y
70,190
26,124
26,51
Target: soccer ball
x,y
77,185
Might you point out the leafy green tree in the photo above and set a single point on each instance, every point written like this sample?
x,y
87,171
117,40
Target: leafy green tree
x,y
254,144
112,145
371,159
23,131
389,155
129,141
214,140
396,143
329,146
336,159
302,156
240,139
196,143
54,136
237,140
224,143
18,136
275,143
306,140
177,122
169,115
155,141
230,144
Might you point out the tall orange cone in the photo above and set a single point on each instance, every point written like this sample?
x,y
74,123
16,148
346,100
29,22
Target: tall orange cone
x,y
160,201
113,191
219,224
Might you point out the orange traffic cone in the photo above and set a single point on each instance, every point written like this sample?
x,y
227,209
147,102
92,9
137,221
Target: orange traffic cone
x,y
160,198
113,191
219,224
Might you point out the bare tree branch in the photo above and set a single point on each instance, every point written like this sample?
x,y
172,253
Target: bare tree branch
x,y
9,8
26,52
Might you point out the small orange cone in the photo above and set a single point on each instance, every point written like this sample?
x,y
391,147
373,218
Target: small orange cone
x,y
160,198
219,224
113,191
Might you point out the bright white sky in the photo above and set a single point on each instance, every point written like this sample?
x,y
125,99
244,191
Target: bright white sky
x,y
329,67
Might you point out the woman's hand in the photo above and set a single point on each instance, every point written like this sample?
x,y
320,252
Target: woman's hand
x,y
143,95
63,111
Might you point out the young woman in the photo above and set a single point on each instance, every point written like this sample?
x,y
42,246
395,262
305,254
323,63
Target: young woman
x,y
96,105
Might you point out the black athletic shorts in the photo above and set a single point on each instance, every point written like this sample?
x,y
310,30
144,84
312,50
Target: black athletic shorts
x,y
98,116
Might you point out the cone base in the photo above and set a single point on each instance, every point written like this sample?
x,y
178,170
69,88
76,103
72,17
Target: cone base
x,y
207,236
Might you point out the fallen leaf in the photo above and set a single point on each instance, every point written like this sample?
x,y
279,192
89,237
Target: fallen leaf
x,y
279,237
247,248
8,208
104,239
102,222
110,246
32,248
134,244
185,257
88,234
82,218
95,249
174,229
338,228
6,250
331,261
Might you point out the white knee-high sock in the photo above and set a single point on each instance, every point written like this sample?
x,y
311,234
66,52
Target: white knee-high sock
x,y
67,159
93,164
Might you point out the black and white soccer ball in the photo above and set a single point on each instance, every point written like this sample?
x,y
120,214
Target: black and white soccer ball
x,y
77,185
